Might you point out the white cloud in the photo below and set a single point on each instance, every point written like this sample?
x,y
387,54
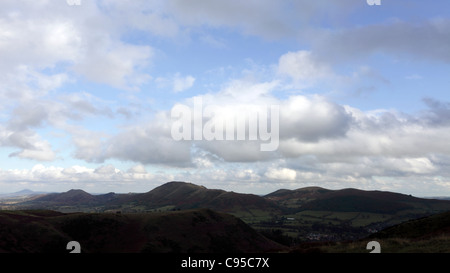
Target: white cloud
x,y
303,66
106,170
281,174
85,40
115,63
181,84
313,118
149,143
138,169
102,179
46,47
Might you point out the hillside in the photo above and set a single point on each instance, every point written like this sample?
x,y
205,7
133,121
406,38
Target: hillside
x,y
182,195
353,200
169,196
74,200
288,216
190,231
315,214
296,198
67,198
422,228
425,235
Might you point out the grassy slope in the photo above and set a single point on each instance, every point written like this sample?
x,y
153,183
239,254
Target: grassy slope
x,y
425,235
185,231
348,213
181,195
332,214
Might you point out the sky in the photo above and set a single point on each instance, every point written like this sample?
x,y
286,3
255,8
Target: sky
x,y
90,92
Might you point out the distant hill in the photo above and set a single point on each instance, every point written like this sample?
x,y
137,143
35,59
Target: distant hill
x,y
182,195
73,197
296,198
354,200
288,216
190,231
20,194
70,197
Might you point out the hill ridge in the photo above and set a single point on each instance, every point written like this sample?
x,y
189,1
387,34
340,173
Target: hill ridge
x,y
203,231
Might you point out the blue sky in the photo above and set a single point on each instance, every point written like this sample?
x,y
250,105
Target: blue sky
x,y
87,92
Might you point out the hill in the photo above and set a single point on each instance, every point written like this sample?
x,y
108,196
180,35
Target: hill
x,y
182,195
296,198
424,235
67,198
70,201
353,200
190,231
422,228
315,214
169,196
288,216
8,199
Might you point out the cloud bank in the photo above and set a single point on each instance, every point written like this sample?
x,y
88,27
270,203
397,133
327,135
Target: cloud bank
x,y
87,93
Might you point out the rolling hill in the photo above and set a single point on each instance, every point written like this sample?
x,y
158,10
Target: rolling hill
x,y
424,235
319,215
354,200
182,195
67,198
422,228
169,196
289,216
190,231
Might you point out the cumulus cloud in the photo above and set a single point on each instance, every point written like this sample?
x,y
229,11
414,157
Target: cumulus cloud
x,y
182,83
40,36
32,148
137,169
41,39
438,112
308,125
102,179
425,40
281,174
149,143
314,118
321,140
303,66
116,64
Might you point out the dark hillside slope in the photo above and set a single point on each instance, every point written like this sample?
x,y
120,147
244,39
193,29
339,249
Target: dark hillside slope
x,y
425,235
426,227
375,201
182,195
354,200
296,198
190,231
72,197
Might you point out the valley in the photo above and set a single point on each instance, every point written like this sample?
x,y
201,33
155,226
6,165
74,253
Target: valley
x,y
288,218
